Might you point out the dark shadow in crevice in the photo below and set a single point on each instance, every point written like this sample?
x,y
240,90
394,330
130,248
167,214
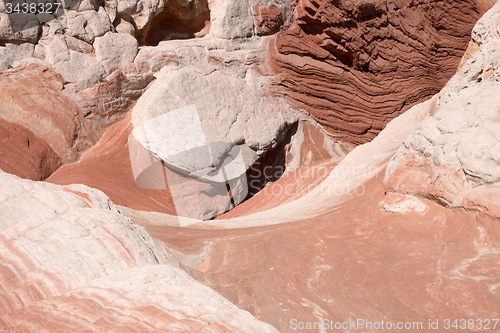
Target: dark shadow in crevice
x,y
271,165
178,23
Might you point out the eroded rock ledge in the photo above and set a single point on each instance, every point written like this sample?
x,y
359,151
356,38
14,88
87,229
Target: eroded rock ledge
x,y
355,65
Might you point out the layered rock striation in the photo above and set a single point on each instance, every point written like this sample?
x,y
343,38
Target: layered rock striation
x,y
71,261
355,65
403,228
453,157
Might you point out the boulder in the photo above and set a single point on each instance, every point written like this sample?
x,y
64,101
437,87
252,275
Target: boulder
x,y
199,117
7,58
116,51
87,25
246,18
81,69
125,27
23,49
19,27
78,45
231,19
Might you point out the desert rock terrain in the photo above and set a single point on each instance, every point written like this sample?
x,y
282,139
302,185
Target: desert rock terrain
x,y
246,166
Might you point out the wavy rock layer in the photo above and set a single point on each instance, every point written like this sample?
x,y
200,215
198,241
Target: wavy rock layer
x,y
70,261
355,65
454,157
106,166
357,261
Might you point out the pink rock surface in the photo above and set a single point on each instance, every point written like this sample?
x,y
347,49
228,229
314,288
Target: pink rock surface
x,y
356,262
70,261
107,167
404,228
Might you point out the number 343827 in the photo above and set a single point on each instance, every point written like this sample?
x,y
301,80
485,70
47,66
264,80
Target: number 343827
x,y
32,7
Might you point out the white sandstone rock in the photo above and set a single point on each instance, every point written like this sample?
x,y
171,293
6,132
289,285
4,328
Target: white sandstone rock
x,y
207,112
24,49
81,69
19,27
98,21
116,51
7,58
76,261
236,19
87,25
232,108
76,26
55,49
232,19
78,45
124,27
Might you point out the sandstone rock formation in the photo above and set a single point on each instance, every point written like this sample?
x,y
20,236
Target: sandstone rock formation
x,y
235,111
457,149
375,256
355,65
71,261
232,101
66,121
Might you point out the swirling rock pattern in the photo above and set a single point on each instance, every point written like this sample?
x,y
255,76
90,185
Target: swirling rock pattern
x,y
355,65
59,123
70,261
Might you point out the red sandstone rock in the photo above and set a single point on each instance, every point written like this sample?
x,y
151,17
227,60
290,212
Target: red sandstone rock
x,y
268,19
106,166
24,154
32,97
355,65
